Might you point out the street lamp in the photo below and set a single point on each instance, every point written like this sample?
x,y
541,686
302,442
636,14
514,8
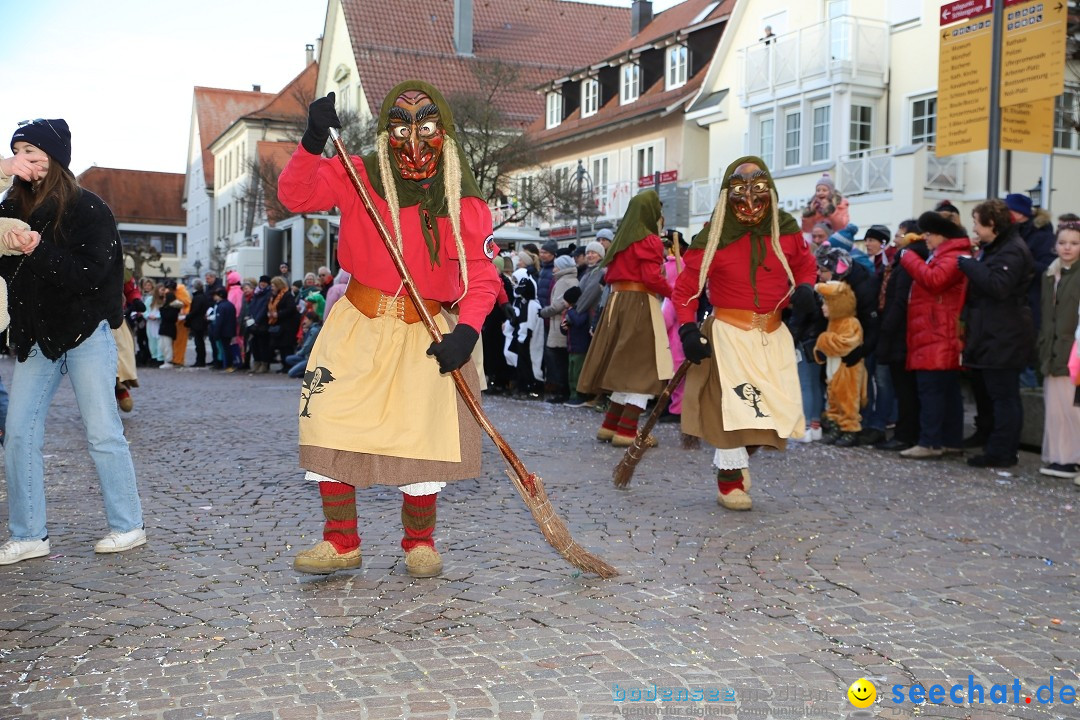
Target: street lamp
x,y
584,184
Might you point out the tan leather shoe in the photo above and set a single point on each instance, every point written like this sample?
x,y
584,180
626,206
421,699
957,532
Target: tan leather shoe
x,y
628,440
735,500
605,435
423,562
324,558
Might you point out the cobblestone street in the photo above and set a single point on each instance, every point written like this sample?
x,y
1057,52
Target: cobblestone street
x,y
854,563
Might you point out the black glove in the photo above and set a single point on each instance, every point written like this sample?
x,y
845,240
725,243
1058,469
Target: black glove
x,y
802,300
455,349
852,358
508,311
695,347
321,117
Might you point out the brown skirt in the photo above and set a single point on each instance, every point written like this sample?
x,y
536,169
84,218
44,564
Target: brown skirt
x,y
622,354
702,409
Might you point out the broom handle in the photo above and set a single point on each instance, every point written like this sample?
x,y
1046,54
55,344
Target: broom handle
x,y
410,287
662,401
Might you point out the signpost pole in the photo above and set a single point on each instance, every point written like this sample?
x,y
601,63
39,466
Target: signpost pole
x,y
993,159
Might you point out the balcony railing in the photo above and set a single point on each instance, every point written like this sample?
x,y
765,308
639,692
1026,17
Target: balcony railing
x,y
872,171
842,49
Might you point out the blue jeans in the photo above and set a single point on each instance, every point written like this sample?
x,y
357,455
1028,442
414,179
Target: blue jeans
x,y
941,409
3,409
297,365
813,395
881,400
92,369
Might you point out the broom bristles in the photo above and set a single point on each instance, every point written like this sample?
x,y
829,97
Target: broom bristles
x,y
555,530
625,469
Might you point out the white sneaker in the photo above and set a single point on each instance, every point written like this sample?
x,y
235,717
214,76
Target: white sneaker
x,y
121,541
814,434
806,437
15,550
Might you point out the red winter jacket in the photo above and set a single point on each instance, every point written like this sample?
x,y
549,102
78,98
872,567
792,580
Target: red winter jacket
x,y
934,337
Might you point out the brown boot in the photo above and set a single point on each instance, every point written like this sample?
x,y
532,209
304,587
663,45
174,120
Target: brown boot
x,y
423,561
324,559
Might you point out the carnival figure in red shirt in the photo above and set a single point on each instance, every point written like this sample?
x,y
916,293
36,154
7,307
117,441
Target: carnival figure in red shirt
x,y
754,260
629,355
378,406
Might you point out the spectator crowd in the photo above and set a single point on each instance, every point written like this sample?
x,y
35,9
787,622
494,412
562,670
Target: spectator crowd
x,y
990,302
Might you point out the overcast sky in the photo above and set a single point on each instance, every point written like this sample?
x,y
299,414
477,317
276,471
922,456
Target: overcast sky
x,y
121,72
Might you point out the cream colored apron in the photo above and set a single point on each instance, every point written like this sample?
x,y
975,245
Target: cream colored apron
x,y
760,378
370,387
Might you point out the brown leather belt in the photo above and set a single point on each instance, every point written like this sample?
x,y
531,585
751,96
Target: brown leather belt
x,y
748,319
628,286
373,303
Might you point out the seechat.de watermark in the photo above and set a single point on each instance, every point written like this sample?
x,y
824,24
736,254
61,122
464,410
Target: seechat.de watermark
x,y
973,693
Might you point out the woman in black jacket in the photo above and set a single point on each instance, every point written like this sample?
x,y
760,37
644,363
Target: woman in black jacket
x,y
1000,339
892,342
284,321
65,292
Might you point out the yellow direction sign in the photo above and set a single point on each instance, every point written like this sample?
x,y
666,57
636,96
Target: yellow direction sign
x,y
1033,51
963,107
1028,127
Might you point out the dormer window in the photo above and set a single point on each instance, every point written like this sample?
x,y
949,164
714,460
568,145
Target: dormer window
x,y
677,56
554,109
631,83
590,97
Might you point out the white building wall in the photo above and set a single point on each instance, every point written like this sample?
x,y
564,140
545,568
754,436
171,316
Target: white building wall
x,y
337,66
198,202
909,178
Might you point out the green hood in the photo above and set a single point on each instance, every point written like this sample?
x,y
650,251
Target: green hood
x,y
641,219
429,196
760,234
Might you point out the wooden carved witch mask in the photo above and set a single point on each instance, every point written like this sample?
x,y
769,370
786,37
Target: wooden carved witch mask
x,y
416,134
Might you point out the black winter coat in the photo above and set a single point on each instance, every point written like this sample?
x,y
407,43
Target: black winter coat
x,y
1038,234
892,332
196,317
999,332
864,285
73,280
224,325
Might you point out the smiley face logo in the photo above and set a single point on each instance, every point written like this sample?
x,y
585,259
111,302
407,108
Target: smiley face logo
x,y
862,693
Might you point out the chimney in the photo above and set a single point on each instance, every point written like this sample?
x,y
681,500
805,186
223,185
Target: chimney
x,y
463,26
640,16
256,88
309,50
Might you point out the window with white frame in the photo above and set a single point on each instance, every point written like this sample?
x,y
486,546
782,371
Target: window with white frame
x,y
647,159
862,118
554,109
1065,119
819,150
840,29
631,83
526,183
792,138
676,66
562,177
599,167
590,97
766,139
924,120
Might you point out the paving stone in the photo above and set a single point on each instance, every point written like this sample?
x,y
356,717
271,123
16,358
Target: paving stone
x,y
853,563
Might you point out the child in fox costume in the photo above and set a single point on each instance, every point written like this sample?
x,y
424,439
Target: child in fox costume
x,y
847,384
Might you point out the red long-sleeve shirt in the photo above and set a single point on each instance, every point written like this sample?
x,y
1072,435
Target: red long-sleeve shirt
x,y
643,262
729,277
312,183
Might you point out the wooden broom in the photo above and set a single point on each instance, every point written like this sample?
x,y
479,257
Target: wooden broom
x,y
529,485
